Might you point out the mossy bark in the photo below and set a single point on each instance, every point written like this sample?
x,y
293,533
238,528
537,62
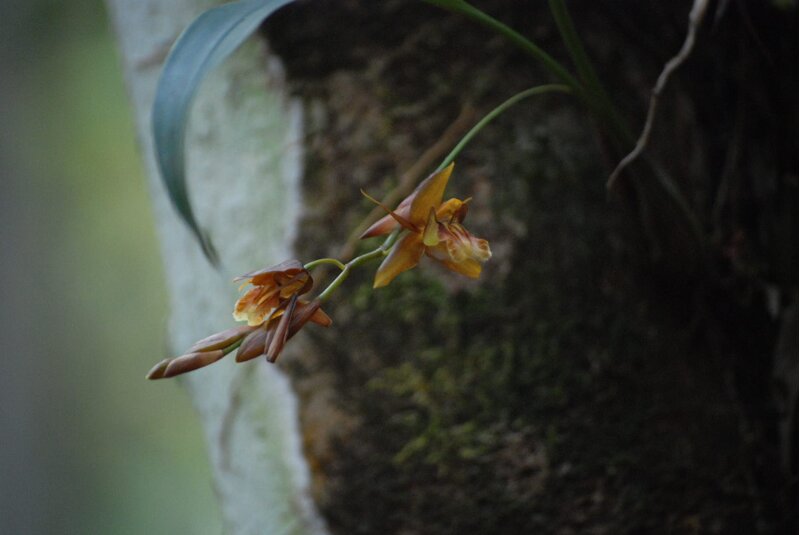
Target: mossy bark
x,y
596,378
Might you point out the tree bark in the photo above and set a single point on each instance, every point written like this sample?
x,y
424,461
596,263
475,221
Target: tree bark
x,y
595,378
244,164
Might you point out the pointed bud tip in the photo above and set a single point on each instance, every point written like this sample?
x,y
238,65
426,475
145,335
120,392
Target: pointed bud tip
x,y
157,371
192,361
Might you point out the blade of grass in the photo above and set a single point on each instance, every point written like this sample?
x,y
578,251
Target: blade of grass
x,y
586,72
589,90
550,63
584,94
577,52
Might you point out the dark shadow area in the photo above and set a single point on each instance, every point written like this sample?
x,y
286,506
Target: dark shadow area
x,y
610,373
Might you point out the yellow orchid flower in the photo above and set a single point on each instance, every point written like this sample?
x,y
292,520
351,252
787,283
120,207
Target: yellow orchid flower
x,y
273,312
271,287
434,228
273,304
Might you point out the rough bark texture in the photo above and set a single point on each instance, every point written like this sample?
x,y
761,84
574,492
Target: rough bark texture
x,y
244,164
600,377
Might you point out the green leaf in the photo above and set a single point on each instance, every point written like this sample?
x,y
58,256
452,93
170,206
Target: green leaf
x,y
211,38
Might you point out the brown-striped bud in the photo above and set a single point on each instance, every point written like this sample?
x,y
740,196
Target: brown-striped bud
x,y
157,371
277,339
221,340
192,361
252,347
308,312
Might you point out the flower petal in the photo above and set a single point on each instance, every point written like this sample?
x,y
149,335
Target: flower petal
x,y
262,276
468,267
299,284
402,221
480,249
430,237
459,244
461,213
404,255
387,223
453,210
429,195
321,318
382,226
248,309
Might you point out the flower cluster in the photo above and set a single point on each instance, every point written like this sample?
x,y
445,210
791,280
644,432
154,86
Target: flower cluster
x,y
273,311
275,306
422,224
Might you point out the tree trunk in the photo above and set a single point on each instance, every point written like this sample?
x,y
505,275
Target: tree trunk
x,y
244,164
595,378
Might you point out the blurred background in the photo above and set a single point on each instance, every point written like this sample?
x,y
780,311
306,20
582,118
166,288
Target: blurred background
x,y
637,394
86,444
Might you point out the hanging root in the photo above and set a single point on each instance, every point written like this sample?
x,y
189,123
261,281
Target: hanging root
x,y
695,19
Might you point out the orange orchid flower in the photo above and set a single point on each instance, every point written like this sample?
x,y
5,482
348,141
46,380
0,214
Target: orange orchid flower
x,y
274,304
434,228
273,311
271,287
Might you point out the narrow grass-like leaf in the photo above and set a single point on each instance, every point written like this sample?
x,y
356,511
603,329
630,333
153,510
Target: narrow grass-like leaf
x,y
211,38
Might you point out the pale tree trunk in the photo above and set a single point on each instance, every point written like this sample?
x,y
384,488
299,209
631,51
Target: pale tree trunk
x,y
244,165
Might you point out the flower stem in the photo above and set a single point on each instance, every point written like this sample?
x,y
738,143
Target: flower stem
x,y
380,252
489,117
321,261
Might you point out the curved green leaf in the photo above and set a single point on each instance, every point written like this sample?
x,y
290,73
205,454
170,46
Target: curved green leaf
x,y
211,38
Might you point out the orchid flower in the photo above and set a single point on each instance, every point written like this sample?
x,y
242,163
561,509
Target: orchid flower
x,y
434,228
273,311
272,306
